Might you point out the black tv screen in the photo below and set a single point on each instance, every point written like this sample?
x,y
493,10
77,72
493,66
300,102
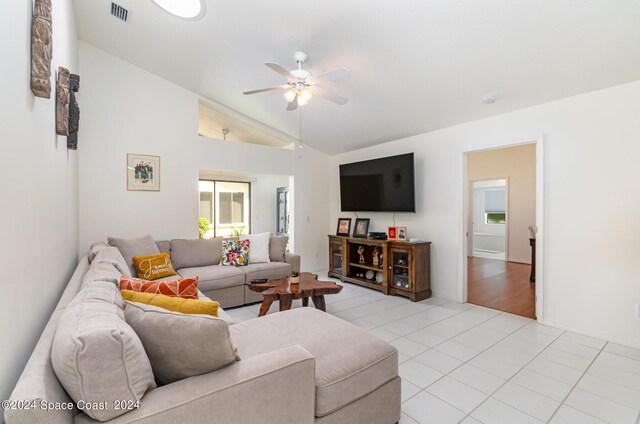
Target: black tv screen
x,y
378,185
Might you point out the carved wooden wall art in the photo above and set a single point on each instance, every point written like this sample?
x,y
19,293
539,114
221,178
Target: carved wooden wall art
x,y
41,43
74,112
62,102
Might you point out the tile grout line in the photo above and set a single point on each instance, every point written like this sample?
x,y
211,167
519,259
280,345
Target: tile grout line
x,y
466,363
576,385
510,378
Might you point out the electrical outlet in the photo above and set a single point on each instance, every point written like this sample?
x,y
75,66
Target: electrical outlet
x,y
308,219
317,255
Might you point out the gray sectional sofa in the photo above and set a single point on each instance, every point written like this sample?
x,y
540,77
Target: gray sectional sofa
x,y
226,284
301,366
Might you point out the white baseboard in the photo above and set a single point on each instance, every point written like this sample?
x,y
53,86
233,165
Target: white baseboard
x,y
597,335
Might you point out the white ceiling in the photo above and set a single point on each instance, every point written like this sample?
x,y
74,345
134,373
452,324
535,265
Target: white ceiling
x,y
417,65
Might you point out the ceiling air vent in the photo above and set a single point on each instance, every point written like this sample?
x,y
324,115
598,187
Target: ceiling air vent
x,y
119,12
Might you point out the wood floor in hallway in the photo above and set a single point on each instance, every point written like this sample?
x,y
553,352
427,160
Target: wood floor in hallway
x,y
502,285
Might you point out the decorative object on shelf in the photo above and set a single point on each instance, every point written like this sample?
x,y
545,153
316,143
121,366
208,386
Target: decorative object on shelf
x,y
294,282
377,235
379,277
41,43
393,233
344,227
402,262
62,101
376,256
361,227
361,253
402,233
370,274
381,263
143,172
74,112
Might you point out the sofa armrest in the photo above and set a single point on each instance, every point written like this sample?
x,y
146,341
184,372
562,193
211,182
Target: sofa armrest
x,y
293,260
273,388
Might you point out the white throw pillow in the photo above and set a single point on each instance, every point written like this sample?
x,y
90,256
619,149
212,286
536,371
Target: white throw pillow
x,y
258,247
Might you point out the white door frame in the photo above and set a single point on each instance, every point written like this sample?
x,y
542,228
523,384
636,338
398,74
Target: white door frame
x,y
464,224
471,214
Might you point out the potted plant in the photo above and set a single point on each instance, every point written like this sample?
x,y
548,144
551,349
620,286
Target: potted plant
x,y
294,280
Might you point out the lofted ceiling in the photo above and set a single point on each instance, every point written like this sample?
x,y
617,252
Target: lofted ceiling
x,y
416,65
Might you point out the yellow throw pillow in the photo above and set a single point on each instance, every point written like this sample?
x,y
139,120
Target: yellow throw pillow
x,y
152,267
171,303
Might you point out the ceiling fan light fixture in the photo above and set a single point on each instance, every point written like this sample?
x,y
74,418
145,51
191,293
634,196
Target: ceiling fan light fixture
x,y
186,9
306,94
290,95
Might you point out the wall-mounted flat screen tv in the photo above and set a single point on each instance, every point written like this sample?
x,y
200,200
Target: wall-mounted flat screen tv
x,y
378,185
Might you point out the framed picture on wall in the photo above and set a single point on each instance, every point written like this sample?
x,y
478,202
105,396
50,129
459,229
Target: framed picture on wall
x,y
392,233
361,228
402,233
143,172
344,227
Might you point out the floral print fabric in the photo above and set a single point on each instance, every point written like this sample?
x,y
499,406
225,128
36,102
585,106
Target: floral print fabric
x,y
235,253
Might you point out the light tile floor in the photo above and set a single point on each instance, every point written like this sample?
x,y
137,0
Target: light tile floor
x,y
469,364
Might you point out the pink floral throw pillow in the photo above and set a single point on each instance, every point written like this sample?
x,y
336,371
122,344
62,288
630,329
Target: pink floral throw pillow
x,y
235,253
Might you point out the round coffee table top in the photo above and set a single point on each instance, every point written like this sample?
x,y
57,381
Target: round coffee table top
x,y
308,286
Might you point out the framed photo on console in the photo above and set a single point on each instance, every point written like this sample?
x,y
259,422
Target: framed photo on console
x,y
143,172
392,233
361,229
402,234
344,227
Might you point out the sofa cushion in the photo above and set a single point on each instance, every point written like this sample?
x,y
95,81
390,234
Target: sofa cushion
x,y
235,253
163,245
96,355
95,249
152,267
180,345
195,252
173,303
134,247
277,248
258,247
186,288
215,276
350,363
272,270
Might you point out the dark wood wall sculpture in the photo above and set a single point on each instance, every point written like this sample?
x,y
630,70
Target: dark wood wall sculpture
x,y
62,102
41,43
74,112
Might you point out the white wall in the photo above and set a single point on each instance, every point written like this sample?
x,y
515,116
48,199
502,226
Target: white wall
x,y
39,186
591,246
128,110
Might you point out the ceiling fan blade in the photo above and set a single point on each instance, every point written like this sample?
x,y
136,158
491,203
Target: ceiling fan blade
x,y
279,69
293,105
262,90
332,75
335,98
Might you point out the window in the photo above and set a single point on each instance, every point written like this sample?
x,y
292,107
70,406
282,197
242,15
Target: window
x,y
226,207
495,218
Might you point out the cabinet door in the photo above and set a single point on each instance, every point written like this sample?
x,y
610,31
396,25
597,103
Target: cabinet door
x,y
336,257
401,272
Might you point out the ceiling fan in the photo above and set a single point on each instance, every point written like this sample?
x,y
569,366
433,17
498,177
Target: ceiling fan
x,y
301,84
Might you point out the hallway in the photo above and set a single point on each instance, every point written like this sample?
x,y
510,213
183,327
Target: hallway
x,y
501,285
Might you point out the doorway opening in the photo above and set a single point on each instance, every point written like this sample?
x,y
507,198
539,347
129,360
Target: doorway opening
x,y
501,218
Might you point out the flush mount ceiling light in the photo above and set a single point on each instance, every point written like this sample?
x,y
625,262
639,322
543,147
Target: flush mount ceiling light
x,y
186,9
489,99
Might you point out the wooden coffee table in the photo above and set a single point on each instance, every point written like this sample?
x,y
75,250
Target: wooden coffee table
x,y
309,287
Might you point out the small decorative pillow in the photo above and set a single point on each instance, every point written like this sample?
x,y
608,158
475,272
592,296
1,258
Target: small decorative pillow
x,y
186,288
175,304
235,253
258,247
152,267
178,345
